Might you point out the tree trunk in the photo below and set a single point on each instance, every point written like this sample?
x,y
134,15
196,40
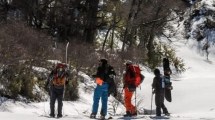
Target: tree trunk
x,y
106,36
150,46
130,28
112,36
91,21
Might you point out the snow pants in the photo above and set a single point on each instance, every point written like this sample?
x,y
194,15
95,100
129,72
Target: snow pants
x,y
101,91
159,102
127,98
56,94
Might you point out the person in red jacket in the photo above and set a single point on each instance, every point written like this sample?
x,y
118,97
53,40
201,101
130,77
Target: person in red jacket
x,y
129,89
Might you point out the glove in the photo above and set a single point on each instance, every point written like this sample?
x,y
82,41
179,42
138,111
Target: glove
x,y
153,91
170,87
132,88
111,76
67,82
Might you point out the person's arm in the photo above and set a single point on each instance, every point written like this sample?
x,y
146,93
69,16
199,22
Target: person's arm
x,y
112,73
50,77
123,80
67,76
154,83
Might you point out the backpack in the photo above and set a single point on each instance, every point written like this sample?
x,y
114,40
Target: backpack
x,y
166,83
59,75
135,70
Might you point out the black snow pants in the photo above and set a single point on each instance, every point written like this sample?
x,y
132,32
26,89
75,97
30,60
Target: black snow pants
x,y
56,94
159,102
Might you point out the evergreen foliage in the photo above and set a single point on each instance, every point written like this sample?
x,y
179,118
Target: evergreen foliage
x,y
34,31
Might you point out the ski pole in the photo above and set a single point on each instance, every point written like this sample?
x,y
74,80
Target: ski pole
x,y
151,101
67,45
136,100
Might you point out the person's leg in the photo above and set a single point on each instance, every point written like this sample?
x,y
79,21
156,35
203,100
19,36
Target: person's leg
x,y
127,99
133,107
60,102
158,104
104,100
165,111
52,102
96,98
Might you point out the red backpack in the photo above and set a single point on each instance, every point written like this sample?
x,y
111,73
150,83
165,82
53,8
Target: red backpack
x,y
135,69
59,75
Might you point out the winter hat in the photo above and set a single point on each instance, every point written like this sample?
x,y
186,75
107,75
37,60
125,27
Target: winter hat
x,y
128,62
61,65
103,61
157,71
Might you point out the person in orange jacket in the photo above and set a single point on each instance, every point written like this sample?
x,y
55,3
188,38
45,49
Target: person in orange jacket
x,y
129,89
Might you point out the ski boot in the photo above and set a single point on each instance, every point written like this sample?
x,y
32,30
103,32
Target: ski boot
x,y
128,114
167,114
93,116
134,114
52,115
102,117
59,116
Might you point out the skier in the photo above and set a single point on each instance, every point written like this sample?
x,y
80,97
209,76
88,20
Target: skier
x,y
105,73
132,79
158,86
56,84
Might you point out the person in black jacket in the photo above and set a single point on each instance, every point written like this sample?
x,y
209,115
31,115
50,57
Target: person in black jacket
x,y
158,86
55,85
104,78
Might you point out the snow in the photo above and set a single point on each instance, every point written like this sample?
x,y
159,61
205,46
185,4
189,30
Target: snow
x,y
193,91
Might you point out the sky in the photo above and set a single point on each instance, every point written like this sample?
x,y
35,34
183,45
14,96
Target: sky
x,y
193,91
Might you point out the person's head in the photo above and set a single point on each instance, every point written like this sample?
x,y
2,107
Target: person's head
x,y
165,59
127,64
103,62
156,72
60,68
